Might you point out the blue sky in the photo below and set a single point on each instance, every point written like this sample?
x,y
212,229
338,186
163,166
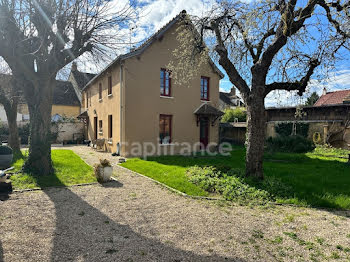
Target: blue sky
x,y
156,13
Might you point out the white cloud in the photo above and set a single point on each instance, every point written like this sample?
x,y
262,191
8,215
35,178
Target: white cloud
x,y
338,80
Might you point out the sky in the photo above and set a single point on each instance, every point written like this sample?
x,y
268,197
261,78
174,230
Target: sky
x,y
156,13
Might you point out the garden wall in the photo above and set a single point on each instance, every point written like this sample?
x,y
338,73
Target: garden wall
x,y
233,133
68,132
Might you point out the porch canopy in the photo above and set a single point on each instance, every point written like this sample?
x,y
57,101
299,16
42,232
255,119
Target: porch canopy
x,y
84,117
209,111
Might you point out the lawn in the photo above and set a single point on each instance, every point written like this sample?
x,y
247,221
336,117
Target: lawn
x,y
315,179
70,169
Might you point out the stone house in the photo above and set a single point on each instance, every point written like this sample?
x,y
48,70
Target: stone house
x,y
334,98
230,100
134,101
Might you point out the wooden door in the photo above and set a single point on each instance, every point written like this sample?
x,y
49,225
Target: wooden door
x,y
204,132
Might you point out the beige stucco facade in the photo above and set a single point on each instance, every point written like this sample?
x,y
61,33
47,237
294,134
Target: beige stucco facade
x,y
136,104
63,110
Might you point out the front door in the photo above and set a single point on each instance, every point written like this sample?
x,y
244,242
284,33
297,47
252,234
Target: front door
x,y
95,126
204,132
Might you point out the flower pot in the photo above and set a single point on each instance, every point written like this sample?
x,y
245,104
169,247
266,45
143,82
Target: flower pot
x,y
104,174
5,161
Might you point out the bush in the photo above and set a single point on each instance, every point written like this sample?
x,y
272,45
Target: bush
x,y
5,150
4,130
290,144
234,186
231,114
23,133
286,128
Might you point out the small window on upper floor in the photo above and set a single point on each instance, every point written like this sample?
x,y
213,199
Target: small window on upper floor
x,y
100,91
109,85
87,99
204,88
165,82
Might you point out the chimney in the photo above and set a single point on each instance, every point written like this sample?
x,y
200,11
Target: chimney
x,y
74,66
324,91
233,91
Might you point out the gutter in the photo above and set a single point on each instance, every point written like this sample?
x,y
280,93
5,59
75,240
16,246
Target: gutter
x,y
121,108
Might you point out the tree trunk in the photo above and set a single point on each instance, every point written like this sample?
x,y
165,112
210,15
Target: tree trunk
x,y
13,139
39,160
255,136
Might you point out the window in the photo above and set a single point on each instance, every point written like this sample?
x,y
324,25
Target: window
x,y
100,91
165,82
110,126
100,126
204,88
87,99
165,129
109,85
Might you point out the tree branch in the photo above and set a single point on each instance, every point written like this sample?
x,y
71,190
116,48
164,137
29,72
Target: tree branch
x,y
300,85
335,23
226,63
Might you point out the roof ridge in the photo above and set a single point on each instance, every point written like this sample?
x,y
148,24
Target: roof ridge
x,y
145,44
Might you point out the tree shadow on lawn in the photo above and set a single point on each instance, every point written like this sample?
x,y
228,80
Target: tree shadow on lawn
x,y
306,181
84,233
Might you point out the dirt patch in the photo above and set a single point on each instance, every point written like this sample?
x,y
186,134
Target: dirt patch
x,y
137,220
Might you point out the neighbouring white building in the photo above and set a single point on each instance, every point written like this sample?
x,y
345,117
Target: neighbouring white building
x,y
3,118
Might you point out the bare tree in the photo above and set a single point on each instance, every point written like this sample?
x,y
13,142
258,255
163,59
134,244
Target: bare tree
x,y
9,98
265,46
38,38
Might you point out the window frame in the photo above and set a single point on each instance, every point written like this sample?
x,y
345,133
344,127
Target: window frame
x,y
110,86
206,78
100,91
170,117
110,126
164,82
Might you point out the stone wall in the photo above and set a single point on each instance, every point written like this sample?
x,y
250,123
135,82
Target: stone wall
x,y
68,131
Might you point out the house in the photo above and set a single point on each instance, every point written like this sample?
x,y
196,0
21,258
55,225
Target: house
x,y
5,80
65,101
134,106
230,100
333,98
66,96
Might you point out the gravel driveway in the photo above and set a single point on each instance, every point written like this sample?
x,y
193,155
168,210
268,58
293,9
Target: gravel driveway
x,y
137,220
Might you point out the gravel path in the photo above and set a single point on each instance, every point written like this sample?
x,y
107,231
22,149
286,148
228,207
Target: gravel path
x,y
135,219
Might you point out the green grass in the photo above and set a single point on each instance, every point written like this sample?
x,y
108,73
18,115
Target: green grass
x,y
169,174
70,169
315,178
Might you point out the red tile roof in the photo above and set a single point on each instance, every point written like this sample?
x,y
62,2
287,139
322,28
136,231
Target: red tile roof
x,y
333,98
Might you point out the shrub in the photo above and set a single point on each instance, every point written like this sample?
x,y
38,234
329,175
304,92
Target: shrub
x,y
4,130
291,144
286,128
233,185
23,133
5,150
231,114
